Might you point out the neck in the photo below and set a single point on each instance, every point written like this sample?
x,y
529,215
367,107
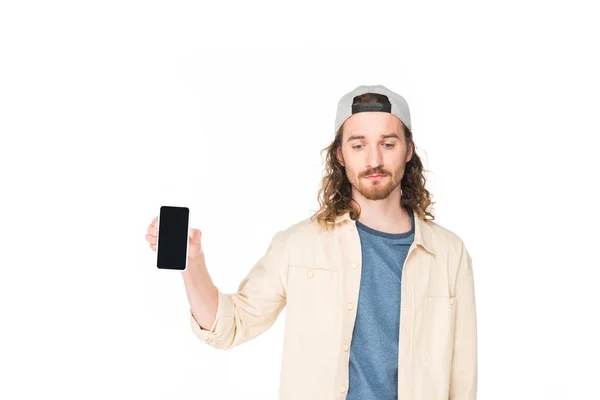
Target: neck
x,y
386,215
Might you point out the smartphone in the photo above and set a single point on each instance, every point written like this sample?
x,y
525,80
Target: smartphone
x,y
173,237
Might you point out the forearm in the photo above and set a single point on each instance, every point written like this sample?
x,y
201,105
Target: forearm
x,y
225,320
201,292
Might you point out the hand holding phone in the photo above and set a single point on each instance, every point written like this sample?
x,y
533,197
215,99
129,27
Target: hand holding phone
x,y
194,246
200,289
172,238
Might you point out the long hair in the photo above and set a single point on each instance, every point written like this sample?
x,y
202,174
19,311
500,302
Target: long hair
x,y
335,193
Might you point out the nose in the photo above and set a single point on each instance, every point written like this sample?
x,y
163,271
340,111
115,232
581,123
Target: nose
x,y
375,157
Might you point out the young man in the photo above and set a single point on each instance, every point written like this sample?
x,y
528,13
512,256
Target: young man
x,y
380,299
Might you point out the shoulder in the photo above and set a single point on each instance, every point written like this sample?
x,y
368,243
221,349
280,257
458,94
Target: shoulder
x,y
446,240
304,229
305,232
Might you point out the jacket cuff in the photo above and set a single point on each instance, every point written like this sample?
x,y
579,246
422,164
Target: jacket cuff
x,y
222,324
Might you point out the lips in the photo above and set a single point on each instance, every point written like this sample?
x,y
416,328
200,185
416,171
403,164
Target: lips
x,y
375,176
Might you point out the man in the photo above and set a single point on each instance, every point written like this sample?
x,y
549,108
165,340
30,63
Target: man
x,y
380,299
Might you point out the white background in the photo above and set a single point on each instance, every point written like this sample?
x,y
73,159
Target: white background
x,y
110,109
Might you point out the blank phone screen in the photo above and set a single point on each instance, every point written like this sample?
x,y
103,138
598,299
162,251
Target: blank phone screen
x,y
172,237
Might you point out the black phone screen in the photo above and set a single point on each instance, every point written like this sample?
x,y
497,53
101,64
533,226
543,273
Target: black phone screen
x,y
172,237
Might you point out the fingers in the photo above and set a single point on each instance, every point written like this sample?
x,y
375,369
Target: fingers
x,y
151,239
152,233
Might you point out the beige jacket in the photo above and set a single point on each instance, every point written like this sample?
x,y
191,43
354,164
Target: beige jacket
x,y
317,273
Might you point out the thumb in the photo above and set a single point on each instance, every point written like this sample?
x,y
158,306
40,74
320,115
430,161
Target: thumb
x,y
195,235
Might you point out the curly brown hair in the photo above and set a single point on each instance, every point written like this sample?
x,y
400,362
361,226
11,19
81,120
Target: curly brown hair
x,y
335,193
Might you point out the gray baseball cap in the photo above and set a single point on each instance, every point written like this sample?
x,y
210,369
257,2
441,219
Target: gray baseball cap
x,y
345,109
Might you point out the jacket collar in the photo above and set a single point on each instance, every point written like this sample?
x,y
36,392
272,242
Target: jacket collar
x,y
423,232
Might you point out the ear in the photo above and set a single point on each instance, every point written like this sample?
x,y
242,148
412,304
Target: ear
x,y
409,152
339,156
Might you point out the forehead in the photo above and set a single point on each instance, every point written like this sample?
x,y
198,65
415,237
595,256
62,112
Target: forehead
x,y
372,124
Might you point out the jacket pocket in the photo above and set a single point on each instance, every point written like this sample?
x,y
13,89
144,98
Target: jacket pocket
x,y
437,333
312,300
434,344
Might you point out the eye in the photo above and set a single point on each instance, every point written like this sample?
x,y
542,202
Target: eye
x,y
389,145
356,145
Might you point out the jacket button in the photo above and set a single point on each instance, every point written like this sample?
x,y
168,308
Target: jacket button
x,y
451,301
354,265
350,306
346,347
310,274
342,389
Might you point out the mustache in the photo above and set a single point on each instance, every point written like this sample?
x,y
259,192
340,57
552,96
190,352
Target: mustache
x,y
375,172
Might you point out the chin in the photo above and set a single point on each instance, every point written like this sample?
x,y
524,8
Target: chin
x,y
378,194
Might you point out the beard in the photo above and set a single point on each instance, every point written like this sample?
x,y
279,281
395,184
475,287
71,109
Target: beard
x,y
376,189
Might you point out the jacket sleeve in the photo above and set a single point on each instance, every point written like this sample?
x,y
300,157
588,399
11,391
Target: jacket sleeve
x,y
259,300
463,376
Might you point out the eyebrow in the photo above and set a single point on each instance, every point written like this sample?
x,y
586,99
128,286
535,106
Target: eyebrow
x,y
391,135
